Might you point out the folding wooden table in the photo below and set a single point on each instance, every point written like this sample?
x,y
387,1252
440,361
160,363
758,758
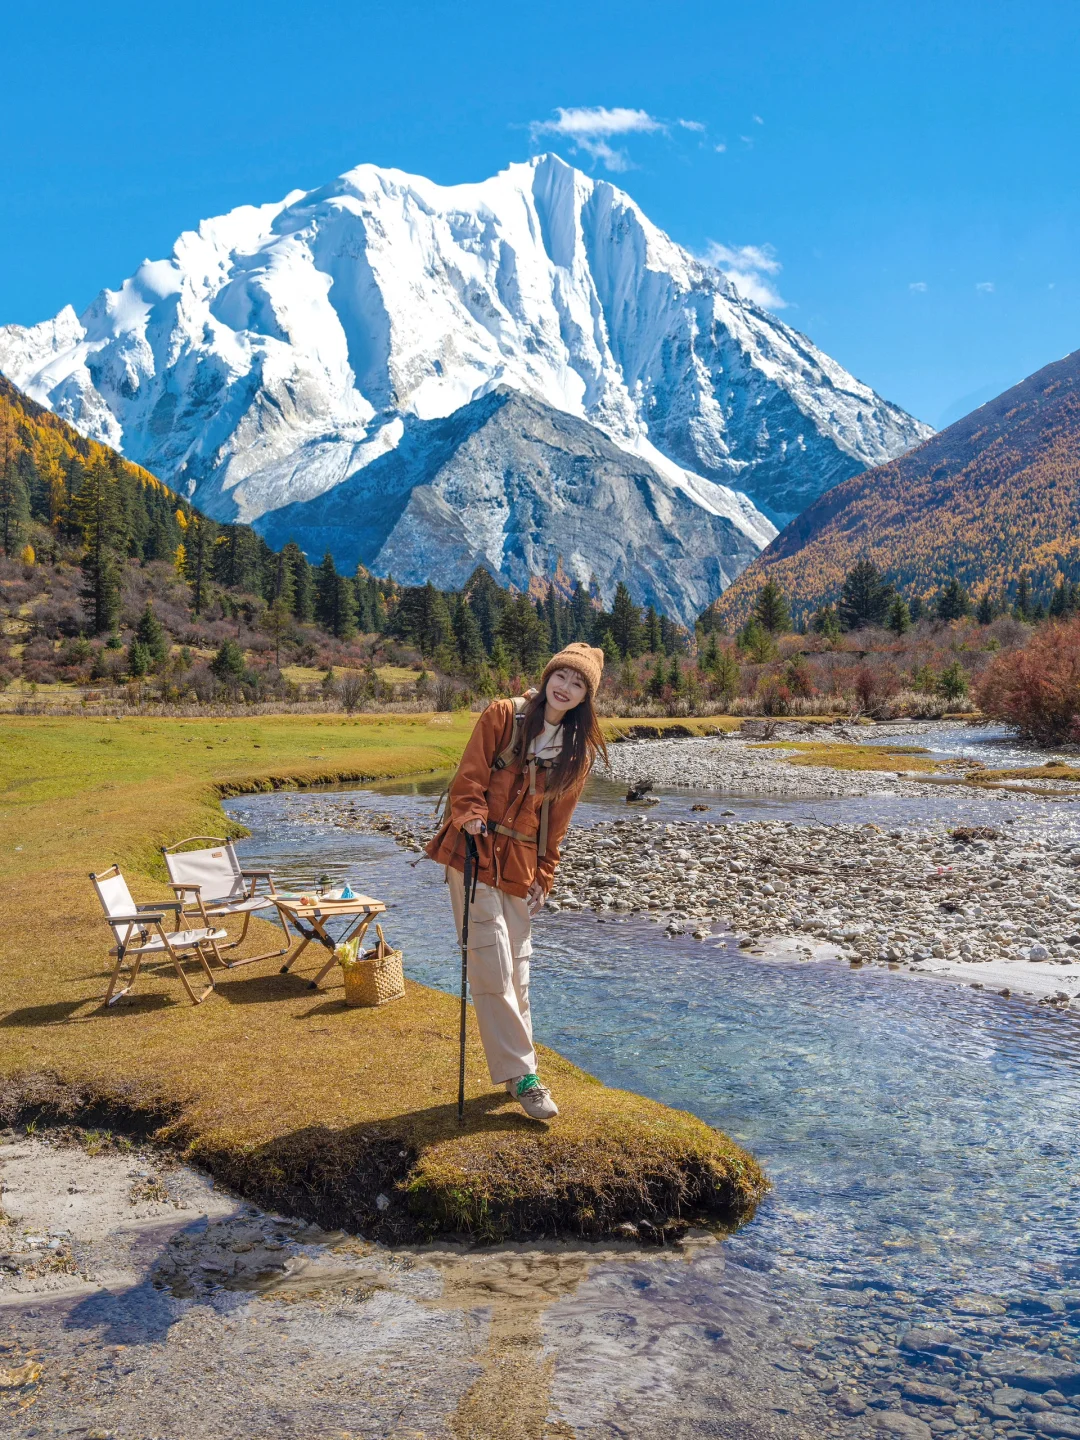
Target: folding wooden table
x,y
309,916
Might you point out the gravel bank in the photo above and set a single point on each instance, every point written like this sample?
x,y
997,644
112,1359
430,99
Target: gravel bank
x,y
1000,909
731,763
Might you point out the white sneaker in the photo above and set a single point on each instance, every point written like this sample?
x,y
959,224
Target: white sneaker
x,y
534,1098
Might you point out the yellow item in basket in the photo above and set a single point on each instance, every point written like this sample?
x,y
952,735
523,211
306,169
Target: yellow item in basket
x,y
374,977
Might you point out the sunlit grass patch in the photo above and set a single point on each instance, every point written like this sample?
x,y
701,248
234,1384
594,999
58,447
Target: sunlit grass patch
x,y
1052,770
895,758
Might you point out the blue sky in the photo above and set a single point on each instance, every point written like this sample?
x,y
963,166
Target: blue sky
x,y
902,176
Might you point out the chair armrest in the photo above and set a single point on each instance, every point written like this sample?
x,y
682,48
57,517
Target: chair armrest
x,y
185,889
255,876
158,905
140,917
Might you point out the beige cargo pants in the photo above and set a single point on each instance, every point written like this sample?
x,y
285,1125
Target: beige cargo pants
x,y
500,947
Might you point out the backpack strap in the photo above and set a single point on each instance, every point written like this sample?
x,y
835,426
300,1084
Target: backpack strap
x,y
504,757
502,760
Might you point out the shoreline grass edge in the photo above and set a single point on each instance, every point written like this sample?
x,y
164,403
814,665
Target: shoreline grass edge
x,y
338,1116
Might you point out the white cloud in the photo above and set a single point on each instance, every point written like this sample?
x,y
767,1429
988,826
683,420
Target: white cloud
x,y
692,125
720,148
918,286
986,286
589,127
758,120
747,267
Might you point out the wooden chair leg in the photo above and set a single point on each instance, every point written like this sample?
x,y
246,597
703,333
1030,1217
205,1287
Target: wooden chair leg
x,y
251,959
210,983
112,994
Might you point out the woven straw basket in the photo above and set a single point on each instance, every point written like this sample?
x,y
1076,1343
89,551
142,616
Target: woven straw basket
x,y
377,978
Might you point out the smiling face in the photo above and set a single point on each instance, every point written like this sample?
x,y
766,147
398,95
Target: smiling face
x,y
565,689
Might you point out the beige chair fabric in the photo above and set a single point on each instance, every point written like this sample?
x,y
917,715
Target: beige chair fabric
x,y
140,935
213,875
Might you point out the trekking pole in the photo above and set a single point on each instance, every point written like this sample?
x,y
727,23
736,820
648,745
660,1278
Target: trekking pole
x,y
472,866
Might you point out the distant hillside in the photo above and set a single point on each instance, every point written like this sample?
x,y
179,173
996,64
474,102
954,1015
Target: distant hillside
x,y
42,458
994,494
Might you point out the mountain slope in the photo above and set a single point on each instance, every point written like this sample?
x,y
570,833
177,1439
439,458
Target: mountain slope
x,y
994,494
285,347
514,484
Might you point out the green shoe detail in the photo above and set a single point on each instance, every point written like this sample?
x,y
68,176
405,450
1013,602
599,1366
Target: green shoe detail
x,y
527,1082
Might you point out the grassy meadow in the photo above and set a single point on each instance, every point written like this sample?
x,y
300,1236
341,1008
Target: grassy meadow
x,y
283,1093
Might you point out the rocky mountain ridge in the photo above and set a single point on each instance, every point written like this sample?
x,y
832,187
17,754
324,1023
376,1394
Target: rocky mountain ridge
x,y
284,349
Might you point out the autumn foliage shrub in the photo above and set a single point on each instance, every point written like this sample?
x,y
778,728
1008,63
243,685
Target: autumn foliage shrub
x,y
1037,690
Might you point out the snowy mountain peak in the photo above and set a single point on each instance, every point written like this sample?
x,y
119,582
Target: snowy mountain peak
x,y
284,348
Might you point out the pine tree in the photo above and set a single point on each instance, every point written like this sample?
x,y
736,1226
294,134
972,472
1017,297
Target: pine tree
x,y
1022,607
553,615
523,633
326,592
14,499
301,587
771,609
199,545
139,659
984,612
150,633
657,680
675,677
952,683
898,619
378,606
581,608
825,621
652,631
470,645
669,636
277,622
864,597
917,609
501,662
344,621
626,626
952,602
97,514
228,663
710,658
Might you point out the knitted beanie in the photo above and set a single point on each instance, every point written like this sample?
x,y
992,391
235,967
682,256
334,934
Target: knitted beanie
x,y
587,660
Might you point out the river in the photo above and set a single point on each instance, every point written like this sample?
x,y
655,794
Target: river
x,y
921,1138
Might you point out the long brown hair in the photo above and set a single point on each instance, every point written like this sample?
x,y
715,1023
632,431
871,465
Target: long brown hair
x,y
582,741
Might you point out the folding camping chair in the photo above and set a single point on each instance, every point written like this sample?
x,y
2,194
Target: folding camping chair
x,y
141,936
215,878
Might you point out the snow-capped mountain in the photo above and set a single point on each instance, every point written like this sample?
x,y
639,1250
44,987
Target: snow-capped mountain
x,y
286,349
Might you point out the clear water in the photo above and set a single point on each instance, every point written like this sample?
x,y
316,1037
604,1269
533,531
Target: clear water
x,y
921,1137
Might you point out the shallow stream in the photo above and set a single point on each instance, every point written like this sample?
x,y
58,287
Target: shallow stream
x,y
921,1136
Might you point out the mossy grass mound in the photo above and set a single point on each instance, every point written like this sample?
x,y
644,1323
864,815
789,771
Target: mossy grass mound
x,y
1051,770
284,1093
896,758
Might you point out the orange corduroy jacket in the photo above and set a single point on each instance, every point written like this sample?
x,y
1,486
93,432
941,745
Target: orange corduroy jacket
x,y
480,792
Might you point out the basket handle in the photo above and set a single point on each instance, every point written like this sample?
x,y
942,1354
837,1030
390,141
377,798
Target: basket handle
x,y
382,943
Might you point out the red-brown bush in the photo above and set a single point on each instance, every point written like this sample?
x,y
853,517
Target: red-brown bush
x,y
1037,690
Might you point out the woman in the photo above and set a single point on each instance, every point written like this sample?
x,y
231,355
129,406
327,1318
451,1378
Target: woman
x,y
520,777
